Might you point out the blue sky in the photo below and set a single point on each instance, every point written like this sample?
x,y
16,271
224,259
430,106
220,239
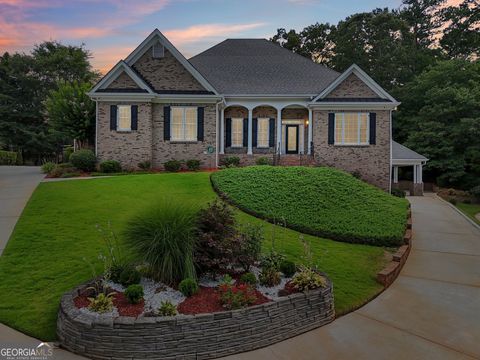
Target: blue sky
x,y
112,28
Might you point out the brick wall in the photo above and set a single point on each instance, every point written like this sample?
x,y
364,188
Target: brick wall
x,y
352,87
203,336
123,81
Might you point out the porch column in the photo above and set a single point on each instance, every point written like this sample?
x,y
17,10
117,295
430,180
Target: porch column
x,y
420,173
415,174
250,135
222,131
310,125
395,174
279,130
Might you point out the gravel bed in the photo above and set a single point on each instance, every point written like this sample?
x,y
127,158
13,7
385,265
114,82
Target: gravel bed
x,y
270,292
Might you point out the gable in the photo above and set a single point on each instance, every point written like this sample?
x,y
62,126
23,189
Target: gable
x,y
352,87
123,81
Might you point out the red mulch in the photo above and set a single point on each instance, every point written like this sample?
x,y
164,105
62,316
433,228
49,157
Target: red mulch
x,y
119,300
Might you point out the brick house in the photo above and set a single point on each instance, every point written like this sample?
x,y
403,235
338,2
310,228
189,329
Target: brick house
x,y
250,98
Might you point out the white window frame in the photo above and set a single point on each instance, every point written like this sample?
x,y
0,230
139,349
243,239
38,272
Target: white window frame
x,y
184,124
240,145
267,145
118,118
341,116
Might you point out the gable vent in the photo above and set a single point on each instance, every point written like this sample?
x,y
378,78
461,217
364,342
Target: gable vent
x,y
158,51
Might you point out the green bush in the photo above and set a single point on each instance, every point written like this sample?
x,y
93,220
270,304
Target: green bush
x,y
269,277
167,309
134,293
188,287
83,160
172,165
398,193
272,260
163,237
8,157
67,152
231,161
320,201
248,278
193,165
307,279
110,166
145,165
475,192
63,171
263,161
288,268
48,167
130,276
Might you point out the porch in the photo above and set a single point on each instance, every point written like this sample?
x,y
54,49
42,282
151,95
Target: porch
x,y
404,157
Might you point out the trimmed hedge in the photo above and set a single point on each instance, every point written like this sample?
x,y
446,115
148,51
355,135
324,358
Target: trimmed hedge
x,y
8,157
321,201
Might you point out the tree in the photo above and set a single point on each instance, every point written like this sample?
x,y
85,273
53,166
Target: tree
x,y
72,113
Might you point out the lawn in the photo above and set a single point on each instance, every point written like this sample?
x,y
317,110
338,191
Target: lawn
x,y
470,210
318,200
57,231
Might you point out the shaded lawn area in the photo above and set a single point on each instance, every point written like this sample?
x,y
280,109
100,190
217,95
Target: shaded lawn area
x,y
45,255
470,210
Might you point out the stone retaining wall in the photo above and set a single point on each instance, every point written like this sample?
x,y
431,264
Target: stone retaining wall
x,y
203,336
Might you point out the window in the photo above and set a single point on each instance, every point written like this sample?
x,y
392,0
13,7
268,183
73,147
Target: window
x,y
351,128
183,123
263,125
124,118
237,132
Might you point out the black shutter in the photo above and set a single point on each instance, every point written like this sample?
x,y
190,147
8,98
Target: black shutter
x,y
331,128
200,115
228,132
373,128
255,132
134,113
271,134
166,123
245,132
113,117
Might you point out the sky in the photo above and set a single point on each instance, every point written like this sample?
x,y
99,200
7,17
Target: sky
x,y
111,29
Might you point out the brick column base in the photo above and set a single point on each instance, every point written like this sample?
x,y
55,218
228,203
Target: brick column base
x,y
416,189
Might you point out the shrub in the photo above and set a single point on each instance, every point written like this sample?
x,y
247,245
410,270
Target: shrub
x,y
172,165
67,152
398,193
163,237
102,303
129,276
193,165
8,157
70,174
272,260
269,277
188,287
231,161
308,279
249,278
263,161
216,237
62,170
110,166
236,296
83,160
250,245
475,192
288,268
145,165
167,309
452,201
48,167
356,174
134,293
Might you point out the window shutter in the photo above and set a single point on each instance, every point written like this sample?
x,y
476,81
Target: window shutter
x,y
113,117
271,133
331,128
228,132
134,113
200,122
166,123
255,131
245,132
373,128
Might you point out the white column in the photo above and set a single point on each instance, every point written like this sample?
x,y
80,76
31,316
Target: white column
x,y
420,174
415,175
279,130
250,135
395,174
222,131
310,125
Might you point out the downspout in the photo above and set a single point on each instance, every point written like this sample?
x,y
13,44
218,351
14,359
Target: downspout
x,y
96,127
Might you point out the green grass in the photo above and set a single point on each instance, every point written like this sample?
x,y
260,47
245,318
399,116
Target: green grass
x,y
44,257
319,200
470,210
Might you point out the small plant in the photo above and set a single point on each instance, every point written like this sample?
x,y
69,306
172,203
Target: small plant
x,y
288,268
308,279
102,303
398,193
110,166
272,260
172,165
188,287
231,161
236,296
269,277
48,167
263,161
249,278
145,165
134,293
250,245
62,170
167,309
226,280
130,276
84,160
193,165
67,152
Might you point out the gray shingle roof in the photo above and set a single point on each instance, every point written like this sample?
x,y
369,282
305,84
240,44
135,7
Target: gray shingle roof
x,y
258,66
400,152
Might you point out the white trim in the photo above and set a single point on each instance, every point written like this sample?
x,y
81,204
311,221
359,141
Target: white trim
x,y
156,35
353,105
362,75
119,97
96,128
250,133
114,73
310,132
222,131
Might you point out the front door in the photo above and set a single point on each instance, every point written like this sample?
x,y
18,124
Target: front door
x,y
291,144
